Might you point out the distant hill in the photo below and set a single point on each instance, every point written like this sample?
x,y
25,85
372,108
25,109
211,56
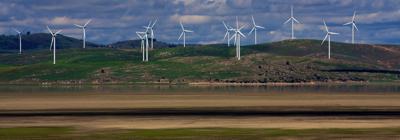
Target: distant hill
x,y
383,55
289,61
137,43
40,41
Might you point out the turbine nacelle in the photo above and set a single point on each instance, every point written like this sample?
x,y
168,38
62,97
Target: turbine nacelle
x,y
142,35
293,20
255,26
328,33
183,33
54,34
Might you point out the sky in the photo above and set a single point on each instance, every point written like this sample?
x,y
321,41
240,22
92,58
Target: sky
x,y
117,20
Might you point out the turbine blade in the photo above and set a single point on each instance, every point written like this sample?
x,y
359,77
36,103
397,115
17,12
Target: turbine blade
x,y
226,35
348,23
49,29
241,34
234,36
230,27
138,34
326,36
90,20
354,16
241,27
333,33
59,31
326,27
291,11
261,27
52,41
251,31
287,21
16,31
223,22
254,22
295,20
78,26
181,36
237,23
154,23
355,26
189,31
181,25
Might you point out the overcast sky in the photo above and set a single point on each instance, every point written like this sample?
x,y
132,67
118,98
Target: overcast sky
x,y
116,20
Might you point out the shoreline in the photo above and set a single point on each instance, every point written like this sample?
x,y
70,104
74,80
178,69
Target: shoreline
x,y
201,83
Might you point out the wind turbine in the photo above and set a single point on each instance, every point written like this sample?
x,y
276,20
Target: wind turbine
x,y
20,40
293,20
184,31
255,27
237,36
353,26
53,42
150,28
84,31
143,37
328,36
227,34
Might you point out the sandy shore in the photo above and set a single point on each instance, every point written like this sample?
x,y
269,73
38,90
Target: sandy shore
x,y
156,122
190,102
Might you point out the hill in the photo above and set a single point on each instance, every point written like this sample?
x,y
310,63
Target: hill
x,y
9,43
296,61
136,44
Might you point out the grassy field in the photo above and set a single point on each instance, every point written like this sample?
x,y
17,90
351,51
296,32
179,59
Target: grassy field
x,y
68,133
286,61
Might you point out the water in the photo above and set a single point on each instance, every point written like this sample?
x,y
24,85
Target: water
x,y
187,89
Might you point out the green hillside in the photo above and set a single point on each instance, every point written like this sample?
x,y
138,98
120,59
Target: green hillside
x,y
10,43
285,61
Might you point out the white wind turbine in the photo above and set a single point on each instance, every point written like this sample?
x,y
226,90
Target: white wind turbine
x,y
255,27
20,40
184,31
150,29
293,20
53,43
143,37
84,31
237,36
328,36
227,34
353,26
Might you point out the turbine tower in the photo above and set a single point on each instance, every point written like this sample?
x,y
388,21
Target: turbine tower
x,y
353,26
20,40
150,28
292,19
237,36
83,31
255,27
328,36
227,34
184,31
53,42
143,37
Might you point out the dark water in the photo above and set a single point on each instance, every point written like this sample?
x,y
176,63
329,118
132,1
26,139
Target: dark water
x,y
186,89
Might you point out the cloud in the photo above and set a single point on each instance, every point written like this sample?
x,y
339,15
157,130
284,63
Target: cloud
x,y
115,20
191,19
65,21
